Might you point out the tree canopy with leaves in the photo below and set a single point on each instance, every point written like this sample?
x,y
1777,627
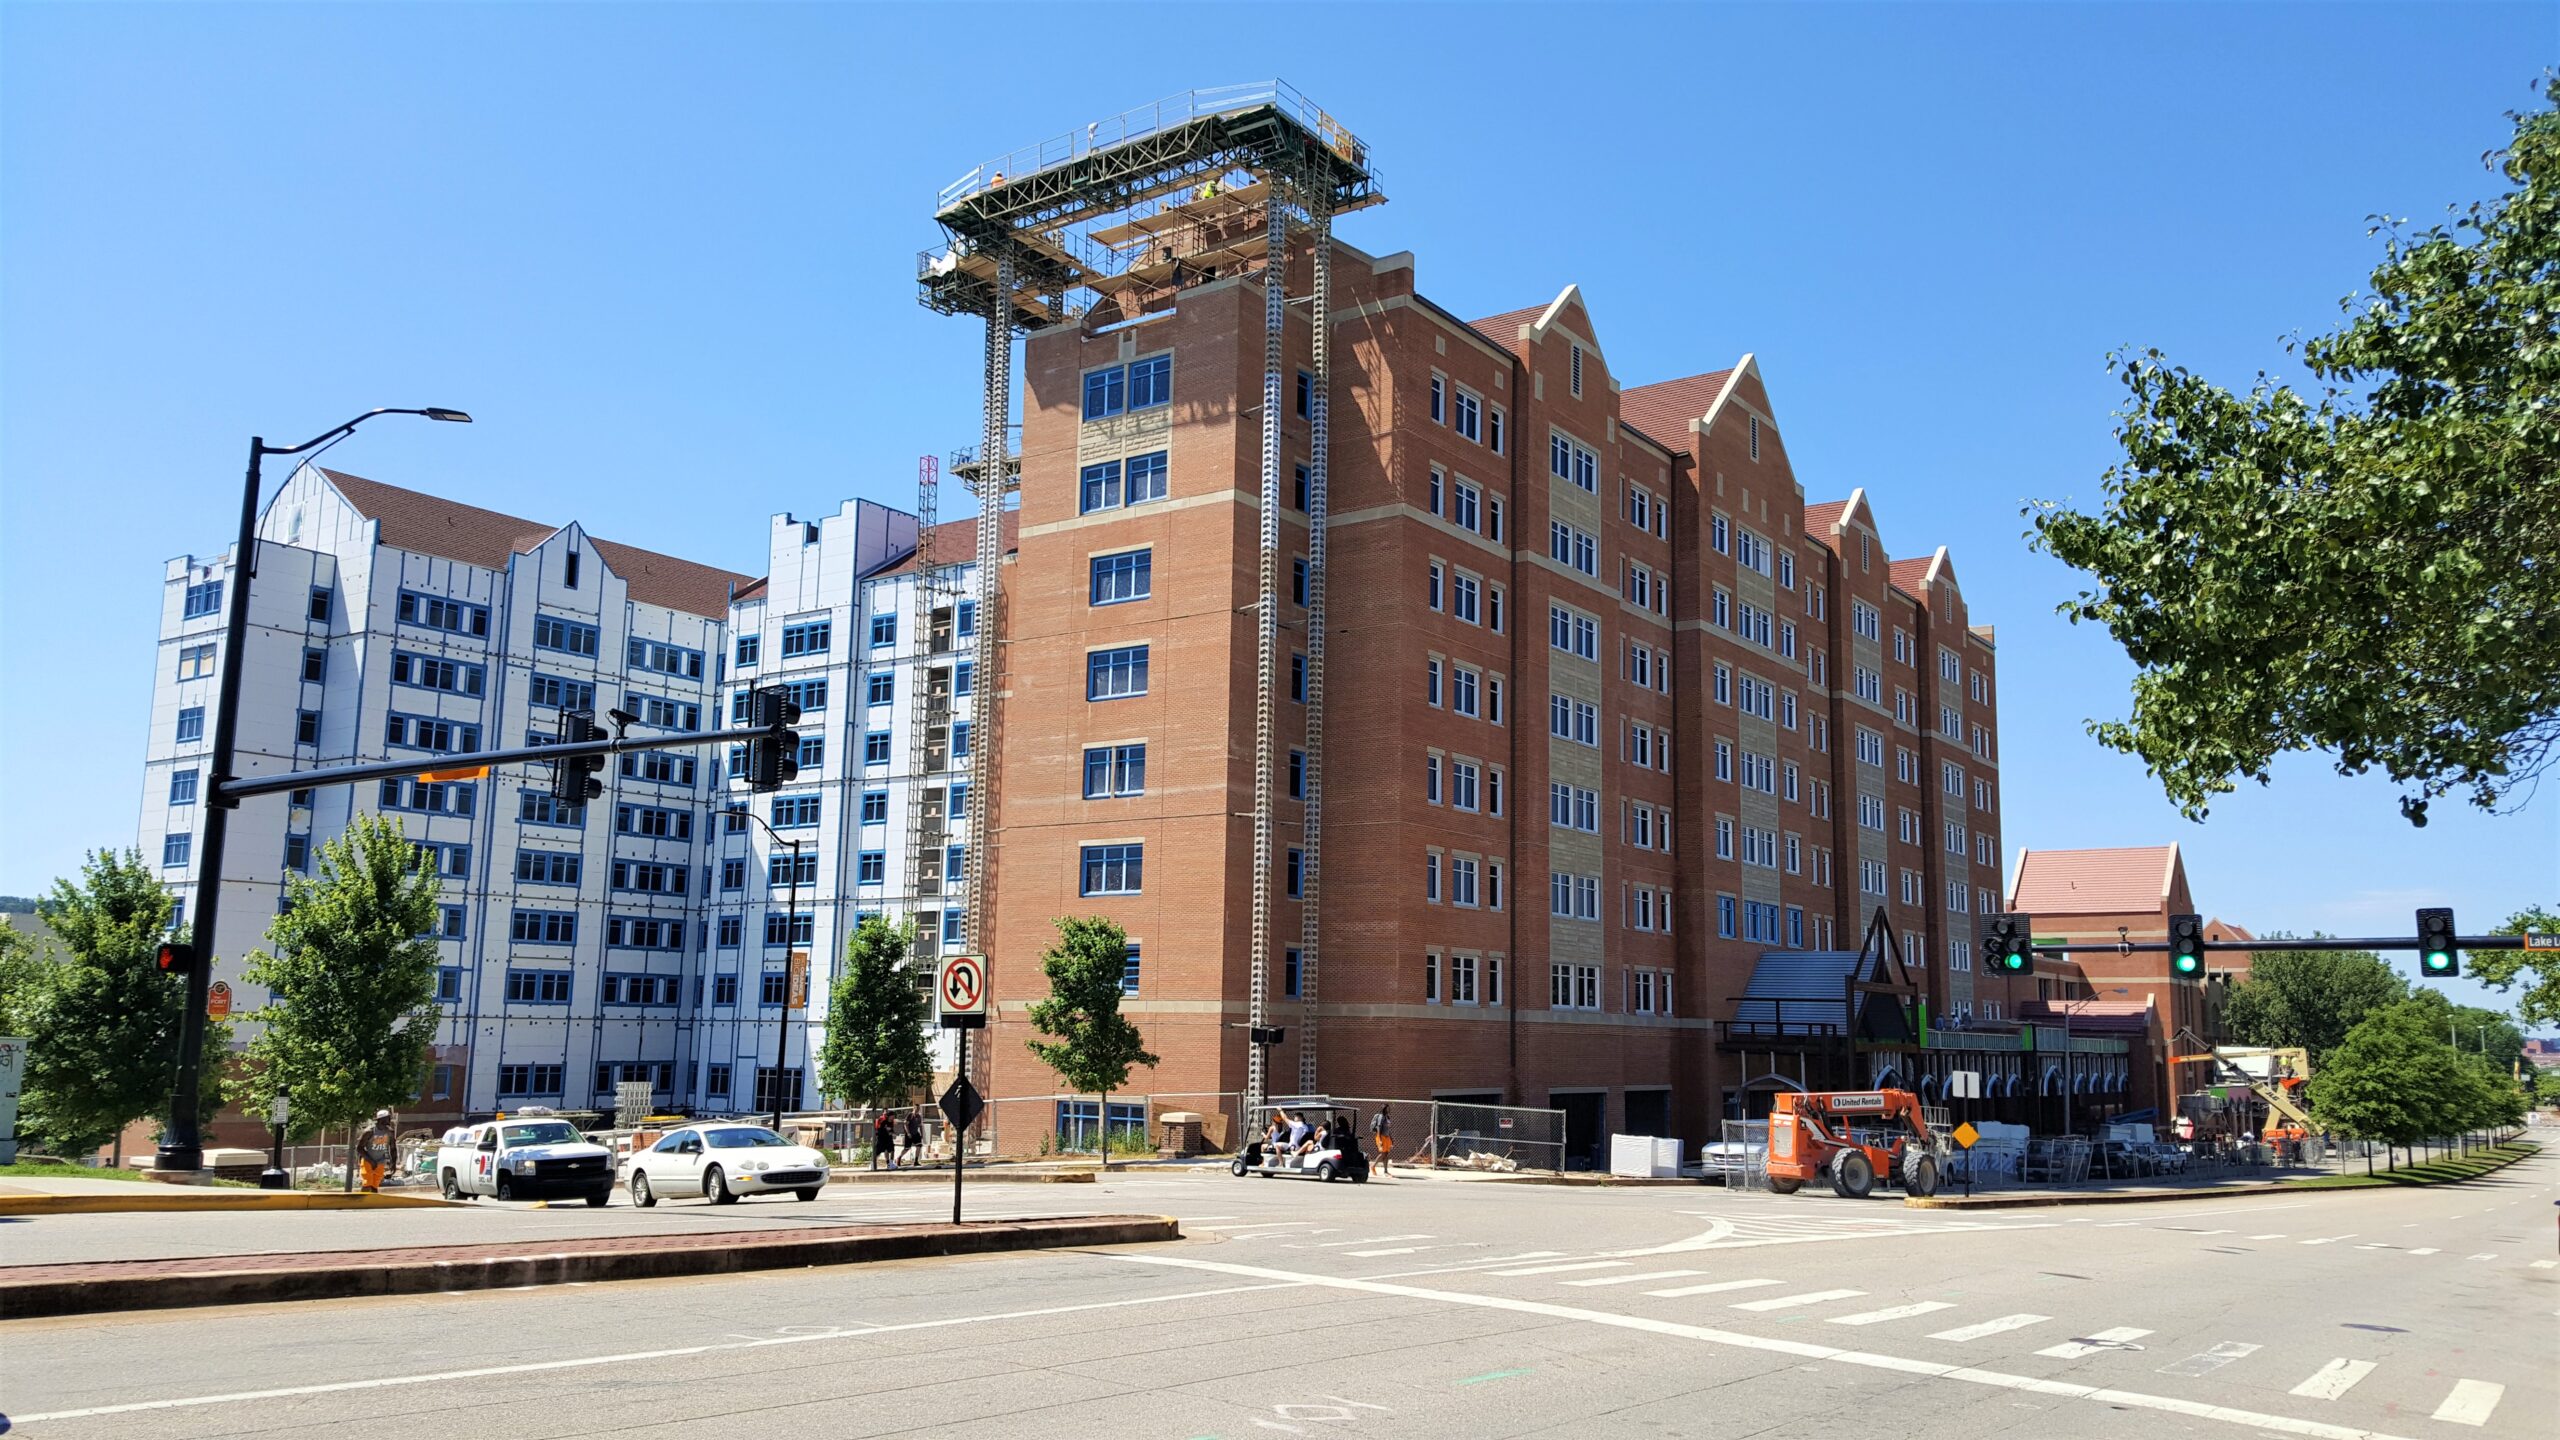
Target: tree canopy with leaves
x,y
102,1026
2367,574
876,1051
351,983
1092,1045
2394,1079
2310,998
2536,970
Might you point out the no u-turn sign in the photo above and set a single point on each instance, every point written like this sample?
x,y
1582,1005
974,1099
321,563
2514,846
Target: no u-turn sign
x,y
961,991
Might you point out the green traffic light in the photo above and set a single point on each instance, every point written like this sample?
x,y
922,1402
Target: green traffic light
x,y
2438,962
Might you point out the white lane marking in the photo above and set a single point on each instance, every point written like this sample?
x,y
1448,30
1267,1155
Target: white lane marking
x,y
2470,1402
2333,1379
2115,1339
2545,1264
2211,1360
1524,1255
1394,1250
1898,1312
2276,1235
2429,1250
1203,1219
1789,1302
1803,1350
2492,1255
1990,1327
1374,1240
629,1357
2376,1245
2332,1240
1272,1225
2119,1224
1560,1269
2213,1232
1635,1279
1716,1288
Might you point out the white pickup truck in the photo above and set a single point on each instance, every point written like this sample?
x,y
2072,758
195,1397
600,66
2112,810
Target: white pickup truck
x,y
523,1158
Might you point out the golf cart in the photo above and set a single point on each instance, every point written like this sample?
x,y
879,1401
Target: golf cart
x,y
1340,1157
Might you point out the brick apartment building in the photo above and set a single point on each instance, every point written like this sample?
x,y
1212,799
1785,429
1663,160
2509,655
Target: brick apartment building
x,y
1614,713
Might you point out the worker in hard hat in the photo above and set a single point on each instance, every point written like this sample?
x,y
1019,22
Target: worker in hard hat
x,y
373,1152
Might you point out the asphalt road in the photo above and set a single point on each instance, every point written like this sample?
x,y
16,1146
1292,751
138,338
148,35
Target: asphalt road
x,y
1412,1308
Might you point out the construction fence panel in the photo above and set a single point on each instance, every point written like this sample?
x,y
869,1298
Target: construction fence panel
x,y
1495,1137
1408,1122
1139,1124
1742,1157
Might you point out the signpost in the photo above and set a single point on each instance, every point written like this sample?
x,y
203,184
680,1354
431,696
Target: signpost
x,y
1964,1135
960,993
13,1072
275,1177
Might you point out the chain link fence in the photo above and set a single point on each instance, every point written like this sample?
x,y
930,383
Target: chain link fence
x,y
1494,1137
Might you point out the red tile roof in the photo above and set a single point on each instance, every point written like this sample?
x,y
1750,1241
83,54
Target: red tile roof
x,y
957,541
1910,576
1818,519
1504,329
1664,409
2094,882
432,525
749,591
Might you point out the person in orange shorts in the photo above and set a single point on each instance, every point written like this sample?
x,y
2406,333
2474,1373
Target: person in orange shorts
x,y
373,1153
1382,1138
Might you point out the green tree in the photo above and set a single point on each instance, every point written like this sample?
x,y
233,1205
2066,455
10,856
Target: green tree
x,y
2394,1079
1092,1044
2365,574
103,1027
26,976
350,981
2310,998
876,1052
2538,971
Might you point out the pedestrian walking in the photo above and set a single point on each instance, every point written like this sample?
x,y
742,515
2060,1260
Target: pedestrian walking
x,y
373,1152
884,1142
1382,1138
915,1138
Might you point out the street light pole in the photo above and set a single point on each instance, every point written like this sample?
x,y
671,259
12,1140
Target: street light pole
x,y
790,925
182,1144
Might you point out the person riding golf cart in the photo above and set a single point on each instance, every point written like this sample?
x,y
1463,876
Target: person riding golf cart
x,y
1306,1138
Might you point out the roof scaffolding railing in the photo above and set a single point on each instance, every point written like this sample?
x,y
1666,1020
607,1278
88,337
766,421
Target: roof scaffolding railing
x,y
1155,119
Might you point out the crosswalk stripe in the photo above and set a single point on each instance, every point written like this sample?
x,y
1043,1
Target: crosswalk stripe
x,y
2332,1240
1719,1285
2211,1360
2333,1379
2273,1235
2545,1264
2492,1255
1394,1250
1990,1327
1633,1279
2429,1250
2470,1402
1898,1312
1560,1269
1373,1240
1789,1302
1524,1255
2092,1344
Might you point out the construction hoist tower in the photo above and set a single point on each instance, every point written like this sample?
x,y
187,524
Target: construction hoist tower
x,y
1126,214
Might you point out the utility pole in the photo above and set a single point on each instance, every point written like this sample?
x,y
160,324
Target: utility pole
x,y
182,1149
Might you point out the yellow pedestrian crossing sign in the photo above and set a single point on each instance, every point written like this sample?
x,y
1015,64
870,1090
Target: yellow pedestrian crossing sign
x,y
1965,1135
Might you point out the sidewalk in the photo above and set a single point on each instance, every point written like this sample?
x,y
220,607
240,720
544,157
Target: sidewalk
x,y
27,1291
71,1195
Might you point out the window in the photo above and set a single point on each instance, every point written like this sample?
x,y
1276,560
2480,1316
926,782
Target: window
x,y
434,799
1439,400
1298,678
875,807
438,613
1431,876
322,598
1297,580
1865,620
1751,552
195,662
1573,987
1431,778
428,672
548,867
1466,506
1295,871
191,725
1131,576
544,927
792,811
177,849
1115,770
781,929
419,732
724,991
1116,674
653,821
1464,776
1113,870
1573,546
1568,460
182,787
1465,686
750,650
1466,416
809,637
1117,483
884,630
875,747
561,693
531,1080
1106,392
871,867
1571,631
1297,774
550,632
1573,897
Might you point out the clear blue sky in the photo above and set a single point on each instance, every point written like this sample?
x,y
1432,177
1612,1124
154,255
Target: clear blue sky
x,y
666,256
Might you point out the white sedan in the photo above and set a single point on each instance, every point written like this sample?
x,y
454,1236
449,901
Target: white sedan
x,y
723,1160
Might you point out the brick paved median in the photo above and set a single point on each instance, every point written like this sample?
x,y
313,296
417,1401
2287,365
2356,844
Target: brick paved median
x,y
28,1291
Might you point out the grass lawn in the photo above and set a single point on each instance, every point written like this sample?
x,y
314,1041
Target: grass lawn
x,y
68,1172
2428,1172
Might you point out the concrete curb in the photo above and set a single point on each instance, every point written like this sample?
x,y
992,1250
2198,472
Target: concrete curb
x,y
157,1198
927,1175
387,1274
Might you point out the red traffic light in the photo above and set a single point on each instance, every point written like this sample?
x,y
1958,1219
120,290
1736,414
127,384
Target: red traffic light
x,y
176,959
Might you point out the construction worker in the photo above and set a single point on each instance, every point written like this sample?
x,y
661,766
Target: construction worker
x,y
373,1152
1209,189
1382,1138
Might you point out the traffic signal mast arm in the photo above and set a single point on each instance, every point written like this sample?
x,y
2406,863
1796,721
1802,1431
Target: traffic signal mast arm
x,y
231,791
2323,942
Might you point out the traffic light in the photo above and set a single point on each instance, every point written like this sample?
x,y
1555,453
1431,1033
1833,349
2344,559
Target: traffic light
x,y
573,777
773,758
2437,959
2007,947
2186,944
176,958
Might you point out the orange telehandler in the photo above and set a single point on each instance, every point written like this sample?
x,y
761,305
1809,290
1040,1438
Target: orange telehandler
x,y
1856,1137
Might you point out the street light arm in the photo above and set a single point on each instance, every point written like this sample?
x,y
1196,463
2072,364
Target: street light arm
x,y
432,412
